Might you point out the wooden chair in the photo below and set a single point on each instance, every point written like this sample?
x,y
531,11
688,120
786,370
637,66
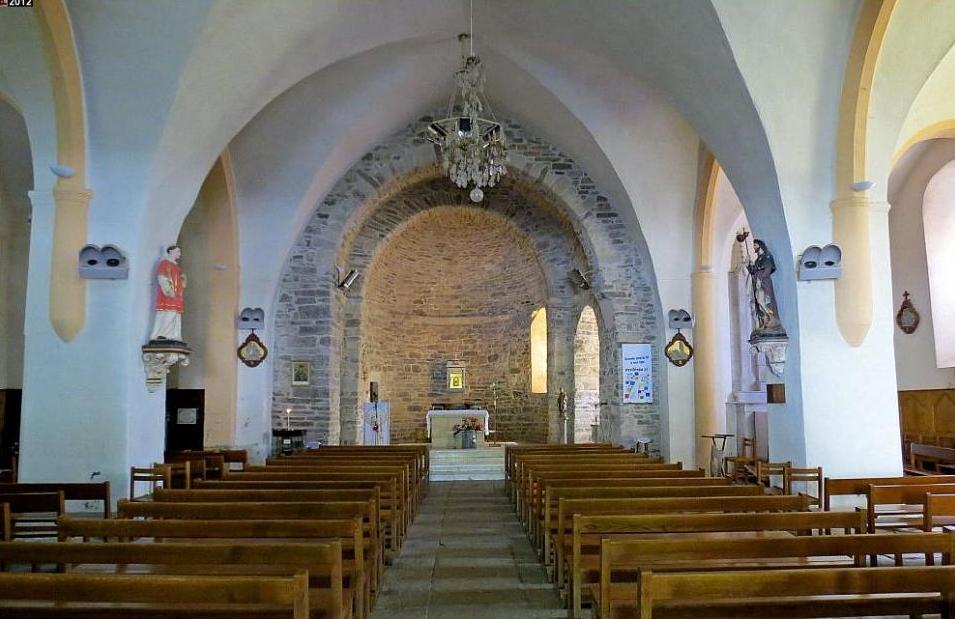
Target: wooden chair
x,y
797,475
746,457
765,471
158,474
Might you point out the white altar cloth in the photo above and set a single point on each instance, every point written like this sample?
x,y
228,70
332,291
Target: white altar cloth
x,y
443,421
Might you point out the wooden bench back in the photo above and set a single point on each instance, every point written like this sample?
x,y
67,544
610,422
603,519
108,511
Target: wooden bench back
x,y
937,506
6,525
322,561
803,590
692,553
859,485
910,495
280,495
189,593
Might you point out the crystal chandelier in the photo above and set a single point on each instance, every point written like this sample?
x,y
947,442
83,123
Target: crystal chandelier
x,y
471,141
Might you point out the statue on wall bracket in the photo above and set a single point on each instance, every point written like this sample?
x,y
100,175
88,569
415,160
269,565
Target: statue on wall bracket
x,y
165,347
769,337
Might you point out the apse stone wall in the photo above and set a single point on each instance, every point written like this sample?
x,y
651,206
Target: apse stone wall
x,y
454,284
316,323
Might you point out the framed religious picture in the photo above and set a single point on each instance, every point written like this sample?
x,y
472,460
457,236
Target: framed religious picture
x,y
301,371
252,352
679,351
455,378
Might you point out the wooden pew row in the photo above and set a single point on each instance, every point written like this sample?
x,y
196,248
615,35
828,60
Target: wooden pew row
x,y
939,511
338,510
349,533
622,560
570,574
512,453
528,489
902,506
835,487
392,478
422,452
390,509
835,592
322,563
416,484
590,531
547,504
33,514
548,521
407,486
523,466
418,456
46,596
930,460
72,491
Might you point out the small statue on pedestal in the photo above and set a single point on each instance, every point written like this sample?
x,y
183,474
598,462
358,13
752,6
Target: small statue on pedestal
x,y
166,348
769,337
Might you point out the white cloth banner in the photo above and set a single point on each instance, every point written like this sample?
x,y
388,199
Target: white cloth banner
x,y
637,368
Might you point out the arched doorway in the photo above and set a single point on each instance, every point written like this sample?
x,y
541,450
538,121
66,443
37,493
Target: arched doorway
x,y
16,180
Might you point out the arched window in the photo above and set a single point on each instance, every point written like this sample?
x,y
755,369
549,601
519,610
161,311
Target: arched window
x,y
939,220
586,375
539,351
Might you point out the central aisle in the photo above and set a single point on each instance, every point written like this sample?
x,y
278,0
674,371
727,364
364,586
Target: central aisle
x,y
466,557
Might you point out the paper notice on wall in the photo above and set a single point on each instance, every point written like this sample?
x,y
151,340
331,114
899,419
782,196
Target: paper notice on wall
x,y
637,369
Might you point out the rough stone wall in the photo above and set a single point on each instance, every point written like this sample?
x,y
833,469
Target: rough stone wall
x,y
586,374
454,283
348,227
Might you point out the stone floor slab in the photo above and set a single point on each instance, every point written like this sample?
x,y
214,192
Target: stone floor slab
x,y
466,556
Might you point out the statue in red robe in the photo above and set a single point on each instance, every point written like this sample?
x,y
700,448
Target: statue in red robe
x,y
169,297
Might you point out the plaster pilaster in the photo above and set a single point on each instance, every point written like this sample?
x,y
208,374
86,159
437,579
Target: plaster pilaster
x,y
706,405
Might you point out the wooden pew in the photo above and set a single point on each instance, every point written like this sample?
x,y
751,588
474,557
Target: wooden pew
x,y
72,491
907,504
349,532
545,501
337,510
569,557
589,531
396,490
30,596
34,514
528,489
416,483
859,486
553,496
835,592
930,460
323,563
389,506
285,495
523,466
622,559
513,455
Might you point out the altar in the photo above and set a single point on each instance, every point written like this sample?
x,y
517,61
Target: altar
x,y
441,424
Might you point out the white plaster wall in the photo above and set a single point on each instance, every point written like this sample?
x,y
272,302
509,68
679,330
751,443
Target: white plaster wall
x,y
935,102
915,354
797,88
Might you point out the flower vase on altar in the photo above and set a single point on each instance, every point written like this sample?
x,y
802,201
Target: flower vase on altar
x,y
466,431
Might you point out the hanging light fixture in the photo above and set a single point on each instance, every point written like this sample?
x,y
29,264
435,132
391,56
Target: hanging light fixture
x,y
471,141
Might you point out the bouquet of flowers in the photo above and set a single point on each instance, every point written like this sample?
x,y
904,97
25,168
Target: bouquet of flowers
x,y
467,423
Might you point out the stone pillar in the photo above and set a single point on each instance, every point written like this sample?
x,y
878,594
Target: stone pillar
x,y
705,362
561,326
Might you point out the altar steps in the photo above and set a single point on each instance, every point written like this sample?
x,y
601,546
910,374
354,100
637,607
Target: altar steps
x,y
485,464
